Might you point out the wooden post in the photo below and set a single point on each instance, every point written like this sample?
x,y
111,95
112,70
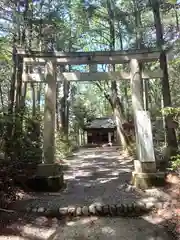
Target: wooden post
x,y
80,137
109,137
115,136
85,138
50,112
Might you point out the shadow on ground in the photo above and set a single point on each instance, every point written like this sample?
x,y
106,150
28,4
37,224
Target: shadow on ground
x,y
94,176
41,228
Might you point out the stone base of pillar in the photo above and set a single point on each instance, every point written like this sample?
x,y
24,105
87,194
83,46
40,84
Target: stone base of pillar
x,y
144,167
147,180
145,175
48,178
48,169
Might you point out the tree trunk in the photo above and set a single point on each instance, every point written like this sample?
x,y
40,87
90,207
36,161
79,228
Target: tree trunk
x,y
138,24
39,88
20,98
115,101
170,132
33,100
66,108
10,123
13,84
2,101
145,94
126,101
57,108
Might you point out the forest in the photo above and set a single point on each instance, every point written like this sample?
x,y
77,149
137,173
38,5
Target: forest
x,y
85,26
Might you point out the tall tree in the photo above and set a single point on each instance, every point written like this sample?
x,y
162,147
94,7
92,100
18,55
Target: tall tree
x,y
171,135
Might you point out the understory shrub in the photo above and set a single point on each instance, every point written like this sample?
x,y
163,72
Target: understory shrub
x,y
21,151
175,114
64,146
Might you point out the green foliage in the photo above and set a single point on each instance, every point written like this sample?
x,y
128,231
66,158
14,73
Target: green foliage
x,y
23,149
171,111
27,145
174,112
172,1
87,103
64,146
175,163
5,51
32,139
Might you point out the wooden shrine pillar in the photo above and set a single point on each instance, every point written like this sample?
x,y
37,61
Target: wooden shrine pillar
x,y
109,137
85,137
50,112
144,174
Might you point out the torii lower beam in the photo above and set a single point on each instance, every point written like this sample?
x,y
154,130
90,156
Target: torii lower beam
x,y
90,76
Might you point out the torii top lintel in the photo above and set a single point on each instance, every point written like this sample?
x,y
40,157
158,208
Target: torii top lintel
x,y
96,57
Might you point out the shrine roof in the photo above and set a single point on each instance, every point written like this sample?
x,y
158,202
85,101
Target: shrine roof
x,y
102,123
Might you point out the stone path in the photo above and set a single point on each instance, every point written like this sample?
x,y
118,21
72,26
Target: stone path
x,y
94,176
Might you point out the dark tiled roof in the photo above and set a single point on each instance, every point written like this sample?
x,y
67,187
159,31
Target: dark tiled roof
x,y
104,122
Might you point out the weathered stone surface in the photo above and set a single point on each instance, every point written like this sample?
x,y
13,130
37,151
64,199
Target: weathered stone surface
x,y
146,180
78,211
47,178
106,209
46,184
92,209
143,128
63,211
113,210
41,210
71,211
46,170
49,112
99,209
85,210
144,167
120,209
34,210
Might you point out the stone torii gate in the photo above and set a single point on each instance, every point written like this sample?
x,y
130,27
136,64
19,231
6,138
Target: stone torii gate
x,y
145,167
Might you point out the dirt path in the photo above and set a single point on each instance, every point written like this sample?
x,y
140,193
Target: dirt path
x,y
94,176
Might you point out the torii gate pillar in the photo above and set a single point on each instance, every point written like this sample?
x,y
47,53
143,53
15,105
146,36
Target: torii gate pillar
x,y
145,174
49,113
48,172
